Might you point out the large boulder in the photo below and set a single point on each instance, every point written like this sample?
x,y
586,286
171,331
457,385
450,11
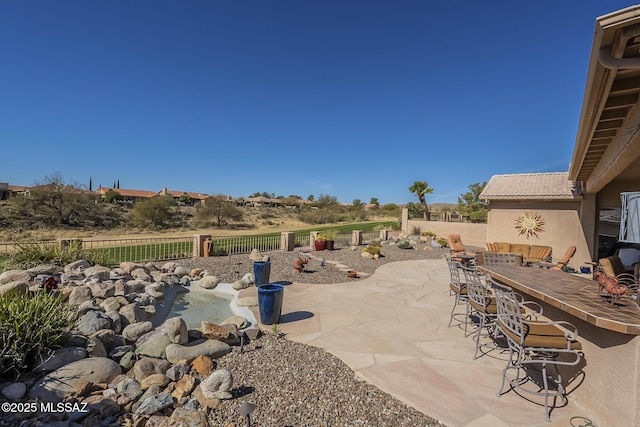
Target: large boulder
x,y
15,276
93,321
61,383
211,348
176,329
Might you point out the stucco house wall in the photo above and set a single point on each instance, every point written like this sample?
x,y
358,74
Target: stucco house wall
x,y
562,227
471,234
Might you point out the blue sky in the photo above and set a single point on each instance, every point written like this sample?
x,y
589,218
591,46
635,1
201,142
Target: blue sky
x,y
354,99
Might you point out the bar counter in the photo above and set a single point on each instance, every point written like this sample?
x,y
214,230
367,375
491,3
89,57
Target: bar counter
x,y
610,337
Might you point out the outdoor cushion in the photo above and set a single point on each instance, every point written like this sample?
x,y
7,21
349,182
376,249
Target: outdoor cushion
x,y
541,335
503,246
520,249
462,291
539,252
492,247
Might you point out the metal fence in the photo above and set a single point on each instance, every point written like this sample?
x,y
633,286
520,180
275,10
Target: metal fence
x,y
137,250
232,245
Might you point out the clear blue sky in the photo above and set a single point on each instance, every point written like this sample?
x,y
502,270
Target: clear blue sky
x,y
354,99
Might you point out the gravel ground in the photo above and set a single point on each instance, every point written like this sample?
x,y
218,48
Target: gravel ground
x,y
294,384
231,268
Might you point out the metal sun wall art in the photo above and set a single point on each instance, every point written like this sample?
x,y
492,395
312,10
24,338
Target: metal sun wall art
x,y
529,224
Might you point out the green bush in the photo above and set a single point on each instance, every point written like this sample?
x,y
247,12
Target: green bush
x,y
428,233
443,242
30,325
403,244
31,255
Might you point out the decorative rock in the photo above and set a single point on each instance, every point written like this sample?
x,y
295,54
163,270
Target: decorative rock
x,y
148,366
118,352
169,266
128,267
196,272
154,404
14,391
184,387
127,361
217,385
95,348
169,279
213,331
106,336
208,282
79,295
18,287
15,276
248,279
133,331
104,406
204,401
203,365
141,274
102,290
239,321
253,333
247,302
175,372
160,380
93,321
59,358
154,347
59,384
299,264
132,313
181,271
187,418
255,255
239,285
77,266
110,304
130,388
176,329
97,272
211,348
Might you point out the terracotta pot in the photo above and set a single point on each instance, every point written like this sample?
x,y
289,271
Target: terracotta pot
x,y
330,245
321,245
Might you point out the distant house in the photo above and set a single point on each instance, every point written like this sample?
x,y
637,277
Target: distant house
x,y
196,197
127,195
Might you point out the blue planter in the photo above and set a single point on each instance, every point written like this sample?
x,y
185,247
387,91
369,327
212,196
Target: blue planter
x,y
270,298
261,272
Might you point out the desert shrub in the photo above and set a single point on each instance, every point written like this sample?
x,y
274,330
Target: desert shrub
x,y
415,229
30,325
31,255
403,244
372,249
443,242
428,233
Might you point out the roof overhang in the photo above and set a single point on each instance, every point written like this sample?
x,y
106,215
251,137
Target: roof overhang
x,y
608,137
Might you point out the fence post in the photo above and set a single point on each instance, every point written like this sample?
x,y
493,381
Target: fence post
x,y
384,235
287,241
312,239
356,238
199,244
405,220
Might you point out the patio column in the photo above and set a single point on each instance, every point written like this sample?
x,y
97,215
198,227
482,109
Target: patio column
x,y
199,248
287,241
356,238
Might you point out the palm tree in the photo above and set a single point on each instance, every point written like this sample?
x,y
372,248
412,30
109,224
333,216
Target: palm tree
x,y
421,189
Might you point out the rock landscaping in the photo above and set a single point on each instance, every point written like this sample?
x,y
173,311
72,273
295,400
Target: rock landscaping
x,y
124,364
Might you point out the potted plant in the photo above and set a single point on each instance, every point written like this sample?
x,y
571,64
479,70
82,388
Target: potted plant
x,y
331,237
321,241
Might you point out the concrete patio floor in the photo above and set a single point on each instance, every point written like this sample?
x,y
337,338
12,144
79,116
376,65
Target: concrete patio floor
x,y
391,328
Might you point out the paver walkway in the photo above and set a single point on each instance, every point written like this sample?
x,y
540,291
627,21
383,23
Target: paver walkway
x,y
391,328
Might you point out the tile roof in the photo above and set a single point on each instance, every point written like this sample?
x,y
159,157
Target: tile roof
x,y
551,185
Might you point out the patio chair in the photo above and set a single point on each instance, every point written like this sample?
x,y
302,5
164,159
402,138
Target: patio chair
x,y
560,264
502,258
481,303
535,346
456,246
458,289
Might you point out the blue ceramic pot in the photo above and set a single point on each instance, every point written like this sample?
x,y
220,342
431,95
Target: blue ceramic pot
x,y
261,272
270,298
